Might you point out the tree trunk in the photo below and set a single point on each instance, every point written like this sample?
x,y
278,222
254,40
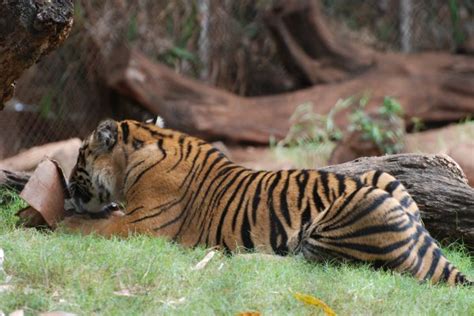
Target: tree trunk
x,y
436,183
434,87
309,49
29,30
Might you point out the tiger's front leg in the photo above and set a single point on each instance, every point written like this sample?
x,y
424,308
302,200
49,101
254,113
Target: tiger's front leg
x,y
83,224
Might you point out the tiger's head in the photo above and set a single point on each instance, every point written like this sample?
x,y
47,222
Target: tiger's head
x,y
98,176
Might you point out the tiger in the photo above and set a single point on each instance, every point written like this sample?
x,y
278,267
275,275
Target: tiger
x,y
182,188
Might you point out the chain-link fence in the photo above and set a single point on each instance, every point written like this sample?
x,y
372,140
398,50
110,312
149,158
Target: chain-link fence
x,y
224,43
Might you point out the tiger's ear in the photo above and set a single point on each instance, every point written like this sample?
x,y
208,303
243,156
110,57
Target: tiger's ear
x,y
158,121
106,135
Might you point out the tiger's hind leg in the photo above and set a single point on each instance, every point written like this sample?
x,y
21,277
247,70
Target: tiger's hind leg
x,y
369,225
395,188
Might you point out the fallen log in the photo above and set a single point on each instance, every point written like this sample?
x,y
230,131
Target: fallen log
x,y
29,30
456,141
425,84
436,183
63,152
437,88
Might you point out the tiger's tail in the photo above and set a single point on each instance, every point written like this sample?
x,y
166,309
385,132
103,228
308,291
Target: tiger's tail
x,y
370,225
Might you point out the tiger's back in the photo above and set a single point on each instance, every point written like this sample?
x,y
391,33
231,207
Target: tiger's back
x,y
182,188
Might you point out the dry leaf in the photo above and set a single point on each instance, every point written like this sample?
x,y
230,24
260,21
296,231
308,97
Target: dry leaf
x,y
310,300
201,264
45,193
249,314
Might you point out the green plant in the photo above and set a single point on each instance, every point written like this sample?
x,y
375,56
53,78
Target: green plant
x,y
306,126
46,104
132,30
418,124
311,137
384,128
311,133
458,35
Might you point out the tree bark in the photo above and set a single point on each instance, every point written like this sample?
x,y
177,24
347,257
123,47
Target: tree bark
x,y
434,87
436,183
309,49
29,30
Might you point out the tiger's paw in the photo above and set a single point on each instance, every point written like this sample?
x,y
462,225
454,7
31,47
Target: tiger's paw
x,y
85,225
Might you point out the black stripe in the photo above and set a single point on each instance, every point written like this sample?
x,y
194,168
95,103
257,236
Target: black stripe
x,y
224,170
436,255
370,248
283,202
127,174
341,183
376,203
226,208
319,251
192,168
376,177
446,271
316,198
145,171
188,151
216,201
180,149
174,220
153,132
324,180
306,216
204,215
406,201
125,131
200,185
276,227
421,252
245,229
256,199
301,186
242,198
372,230
392,186
134,210
332,214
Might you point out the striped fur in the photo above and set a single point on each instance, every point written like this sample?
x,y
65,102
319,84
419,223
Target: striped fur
x,y
180,187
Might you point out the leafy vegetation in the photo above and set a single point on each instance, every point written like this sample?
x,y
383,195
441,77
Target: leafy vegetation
x,y
378,128
312,136
150,276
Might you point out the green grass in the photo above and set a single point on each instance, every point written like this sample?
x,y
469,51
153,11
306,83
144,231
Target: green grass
x,y
56,271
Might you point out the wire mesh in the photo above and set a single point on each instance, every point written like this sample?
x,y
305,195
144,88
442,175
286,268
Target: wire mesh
x,y
224,43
